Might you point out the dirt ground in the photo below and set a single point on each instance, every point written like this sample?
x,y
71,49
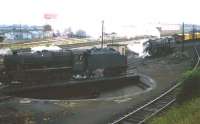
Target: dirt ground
x,y
164,71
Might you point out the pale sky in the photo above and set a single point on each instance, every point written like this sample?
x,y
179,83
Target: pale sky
x,y
87,14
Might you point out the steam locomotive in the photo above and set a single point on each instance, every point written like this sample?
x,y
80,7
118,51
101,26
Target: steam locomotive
x,y
63,64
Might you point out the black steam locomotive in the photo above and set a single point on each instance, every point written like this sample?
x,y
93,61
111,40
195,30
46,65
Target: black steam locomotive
x,y
63,64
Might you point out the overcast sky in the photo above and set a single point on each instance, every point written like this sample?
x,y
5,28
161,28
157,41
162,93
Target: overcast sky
x,y
87,14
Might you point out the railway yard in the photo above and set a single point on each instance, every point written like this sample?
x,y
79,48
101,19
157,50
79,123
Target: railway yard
x,y
146,88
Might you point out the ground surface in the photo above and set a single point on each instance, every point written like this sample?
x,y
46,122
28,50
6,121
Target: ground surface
x,y
162,70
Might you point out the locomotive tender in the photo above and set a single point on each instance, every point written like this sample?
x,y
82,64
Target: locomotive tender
x,y
63,64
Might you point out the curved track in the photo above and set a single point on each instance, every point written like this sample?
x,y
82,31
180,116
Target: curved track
x,y
151,108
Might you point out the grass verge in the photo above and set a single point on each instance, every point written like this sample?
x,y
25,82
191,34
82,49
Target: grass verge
x,y
187,113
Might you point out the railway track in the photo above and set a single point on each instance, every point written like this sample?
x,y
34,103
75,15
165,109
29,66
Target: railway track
x,y
63,43
67,44
143,113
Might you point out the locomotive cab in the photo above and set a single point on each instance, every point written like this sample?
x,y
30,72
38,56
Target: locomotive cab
x,y
79,63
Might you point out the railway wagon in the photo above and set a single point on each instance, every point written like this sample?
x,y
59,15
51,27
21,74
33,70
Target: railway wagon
x,y
187,37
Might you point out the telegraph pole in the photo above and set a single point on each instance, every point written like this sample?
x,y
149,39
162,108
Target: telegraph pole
x,y
193,32
102,34
183,36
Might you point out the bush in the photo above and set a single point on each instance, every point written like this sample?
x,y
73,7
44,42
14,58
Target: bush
x,y
191,86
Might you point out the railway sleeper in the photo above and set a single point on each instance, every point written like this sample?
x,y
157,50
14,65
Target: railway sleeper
x,y
149,109
131,121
